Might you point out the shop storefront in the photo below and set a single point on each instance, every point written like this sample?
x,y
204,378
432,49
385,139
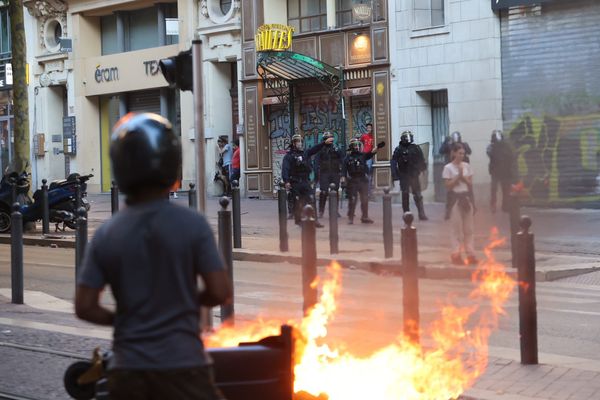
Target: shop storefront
x,y
551,107
120,83
309,84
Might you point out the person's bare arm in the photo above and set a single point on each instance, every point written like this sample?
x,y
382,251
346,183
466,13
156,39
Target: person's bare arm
x,y
88,308
217,289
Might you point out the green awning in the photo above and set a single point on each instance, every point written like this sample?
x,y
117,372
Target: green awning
x,y
292,67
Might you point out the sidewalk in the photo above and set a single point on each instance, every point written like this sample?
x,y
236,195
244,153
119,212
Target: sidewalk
x,y
565,239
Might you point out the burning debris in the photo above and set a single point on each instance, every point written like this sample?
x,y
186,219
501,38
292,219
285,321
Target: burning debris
x,y
456,354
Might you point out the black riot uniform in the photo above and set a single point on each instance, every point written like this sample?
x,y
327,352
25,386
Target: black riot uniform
x,y
502,168
329,162
295,172
354,169
407,163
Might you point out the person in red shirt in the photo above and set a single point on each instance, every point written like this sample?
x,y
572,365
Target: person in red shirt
x,y
368,141
235,162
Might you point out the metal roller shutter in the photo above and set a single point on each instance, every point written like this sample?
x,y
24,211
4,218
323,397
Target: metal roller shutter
x,y
551,99
144,101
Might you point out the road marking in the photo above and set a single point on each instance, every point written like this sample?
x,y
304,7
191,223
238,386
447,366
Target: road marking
x,y
42,301
70,330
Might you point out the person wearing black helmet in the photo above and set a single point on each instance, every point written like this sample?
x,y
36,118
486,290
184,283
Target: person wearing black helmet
x,y
446,147
407,163
295,173
329,162
501,168
151,254
355,171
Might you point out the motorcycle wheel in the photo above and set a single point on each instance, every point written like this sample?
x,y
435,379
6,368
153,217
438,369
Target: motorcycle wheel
x,y
4,220
75,390
71,224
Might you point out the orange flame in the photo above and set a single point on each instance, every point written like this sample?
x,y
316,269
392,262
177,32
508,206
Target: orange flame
x,y
455,356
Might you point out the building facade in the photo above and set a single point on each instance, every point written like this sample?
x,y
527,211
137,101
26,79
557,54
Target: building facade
x,y
446,77
335,77
6,114
92,63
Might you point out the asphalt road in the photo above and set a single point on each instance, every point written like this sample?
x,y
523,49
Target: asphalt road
x,y
369,315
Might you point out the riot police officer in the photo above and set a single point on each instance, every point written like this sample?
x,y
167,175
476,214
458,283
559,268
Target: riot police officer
x,y
295,173
501,168
354,169
407,163
329,162
446,147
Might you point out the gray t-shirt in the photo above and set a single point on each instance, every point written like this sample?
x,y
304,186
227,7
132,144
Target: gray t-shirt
x,y
151,255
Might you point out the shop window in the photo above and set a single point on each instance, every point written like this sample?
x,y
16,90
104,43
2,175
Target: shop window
x,y
4,33
140,29
108,26
428,13
307,15
170,12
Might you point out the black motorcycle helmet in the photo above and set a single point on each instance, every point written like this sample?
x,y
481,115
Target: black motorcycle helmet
x,y
145,152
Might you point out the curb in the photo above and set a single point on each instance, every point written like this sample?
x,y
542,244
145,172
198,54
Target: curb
x,y
427,269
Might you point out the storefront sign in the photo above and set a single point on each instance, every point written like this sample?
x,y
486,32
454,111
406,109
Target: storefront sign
x,y
250,100
151,67
381,106
273,37
106,74
502,4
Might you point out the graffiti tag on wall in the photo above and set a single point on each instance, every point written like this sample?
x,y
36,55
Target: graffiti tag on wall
x,y
558,158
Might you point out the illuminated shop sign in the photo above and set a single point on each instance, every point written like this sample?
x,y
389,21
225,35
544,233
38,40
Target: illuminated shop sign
x,y
273,37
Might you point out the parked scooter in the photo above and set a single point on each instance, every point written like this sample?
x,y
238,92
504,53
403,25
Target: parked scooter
x,y
62,201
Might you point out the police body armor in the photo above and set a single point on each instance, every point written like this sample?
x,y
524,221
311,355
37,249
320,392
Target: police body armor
x,y
409,161
356,167
300,168
329,160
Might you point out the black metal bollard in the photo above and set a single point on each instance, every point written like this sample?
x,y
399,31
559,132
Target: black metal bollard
x,y
410,279
527,302
309,258
16,254
224,228
114,198
514,214
193,197
282,207
81,238
334,238
388,233
237,214
45,208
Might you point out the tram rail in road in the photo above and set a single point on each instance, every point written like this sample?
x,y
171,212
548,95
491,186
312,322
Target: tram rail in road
x,y
36,349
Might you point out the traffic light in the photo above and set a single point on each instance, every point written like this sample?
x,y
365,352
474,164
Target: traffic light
x,y
177,70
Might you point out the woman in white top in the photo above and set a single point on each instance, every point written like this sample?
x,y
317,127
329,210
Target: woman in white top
x,y
458,177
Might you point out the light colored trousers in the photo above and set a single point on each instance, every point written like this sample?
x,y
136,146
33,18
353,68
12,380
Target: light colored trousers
x,y
462,231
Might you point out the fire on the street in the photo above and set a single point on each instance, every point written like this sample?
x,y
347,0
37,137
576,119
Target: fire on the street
x,y
455,356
